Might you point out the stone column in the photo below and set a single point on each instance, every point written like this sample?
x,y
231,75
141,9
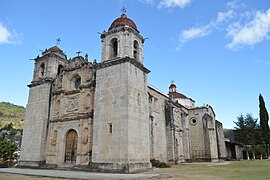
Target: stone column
x,y
212,139
186,139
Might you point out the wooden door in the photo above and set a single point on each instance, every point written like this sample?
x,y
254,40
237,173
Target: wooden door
x,y
71,147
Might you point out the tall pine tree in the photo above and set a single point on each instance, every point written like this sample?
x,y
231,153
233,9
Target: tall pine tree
x,y
264,127
246,132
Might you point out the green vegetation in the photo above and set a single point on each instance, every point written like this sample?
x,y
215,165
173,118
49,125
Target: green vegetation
x,y
255,137
157,163
258,169
10,113
11,124
264,127
7,150
229,134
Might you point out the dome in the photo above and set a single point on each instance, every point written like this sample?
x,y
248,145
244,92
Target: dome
x,y
178,95
172,86
55,49
123,21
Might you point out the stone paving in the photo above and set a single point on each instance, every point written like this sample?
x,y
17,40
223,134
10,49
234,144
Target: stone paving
x,y
77,174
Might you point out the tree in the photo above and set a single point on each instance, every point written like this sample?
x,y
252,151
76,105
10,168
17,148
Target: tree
x,y
264,127
246,132
7,150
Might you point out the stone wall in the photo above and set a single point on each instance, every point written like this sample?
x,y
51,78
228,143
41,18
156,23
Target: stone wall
x,y
35,125
203,138
121,121
158,145
220,141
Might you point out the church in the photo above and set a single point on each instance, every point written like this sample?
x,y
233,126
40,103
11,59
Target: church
x,y
104,116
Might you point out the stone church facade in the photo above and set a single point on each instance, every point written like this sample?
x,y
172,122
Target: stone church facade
x,y
105,116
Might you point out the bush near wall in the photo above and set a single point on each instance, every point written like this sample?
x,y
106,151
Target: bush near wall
x,y
157,163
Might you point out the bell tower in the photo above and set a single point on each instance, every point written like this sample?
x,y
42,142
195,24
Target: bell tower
x,y
122,40
121,115
37,112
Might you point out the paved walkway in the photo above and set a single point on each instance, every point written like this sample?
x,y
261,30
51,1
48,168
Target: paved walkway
x,y
77,174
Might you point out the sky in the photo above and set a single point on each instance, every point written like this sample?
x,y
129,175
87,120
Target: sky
x,y
216,52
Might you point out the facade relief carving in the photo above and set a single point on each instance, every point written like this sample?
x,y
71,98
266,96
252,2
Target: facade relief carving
x,y
72,104
54,139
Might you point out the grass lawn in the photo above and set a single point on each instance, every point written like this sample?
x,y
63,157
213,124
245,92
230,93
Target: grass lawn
x,y
259,169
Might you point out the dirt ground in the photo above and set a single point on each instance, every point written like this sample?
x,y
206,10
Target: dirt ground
x,y
6,176
183,171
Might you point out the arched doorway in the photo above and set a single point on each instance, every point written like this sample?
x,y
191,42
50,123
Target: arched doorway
x,y
71,146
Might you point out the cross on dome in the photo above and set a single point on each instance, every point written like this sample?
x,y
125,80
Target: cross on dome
x,y
124,10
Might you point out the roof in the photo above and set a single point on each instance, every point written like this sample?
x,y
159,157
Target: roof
x,y
123,21
178,95
172,86
158,91
55,49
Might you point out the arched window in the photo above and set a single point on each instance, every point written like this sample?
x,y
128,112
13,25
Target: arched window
x,y
76,82
42,70
136,50
114,47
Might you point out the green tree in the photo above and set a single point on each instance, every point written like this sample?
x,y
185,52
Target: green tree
x,y
7,150
246,132
264,127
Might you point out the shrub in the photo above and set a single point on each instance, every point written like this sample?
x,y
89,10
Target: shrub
x,y
7,150
157,163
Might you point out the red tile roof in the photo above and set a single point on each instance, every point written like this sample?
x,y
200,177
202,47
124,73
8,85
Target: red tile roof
x,y
123,21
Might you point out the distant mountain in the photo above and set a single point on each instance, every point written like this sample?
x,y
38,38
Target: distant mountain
x,y
10,113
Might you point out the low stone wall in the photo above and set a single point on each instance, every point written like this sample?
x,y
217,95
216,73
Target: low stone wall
x,y
92,167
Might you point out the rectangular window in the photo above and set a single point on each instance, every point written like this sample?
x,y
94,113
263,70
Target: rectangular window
x,y
110,128
156,104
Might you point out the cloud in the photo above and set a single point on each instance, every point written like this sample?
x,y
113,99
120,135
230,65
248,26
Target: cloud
x,y
193,33
205,30
147,1
173,3
251,33
7,37
261,62
235,4
225,16
4,34
243,27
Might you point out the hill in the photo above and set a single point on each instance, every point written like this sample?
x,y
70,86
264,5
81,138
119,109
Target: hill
x,y
10,113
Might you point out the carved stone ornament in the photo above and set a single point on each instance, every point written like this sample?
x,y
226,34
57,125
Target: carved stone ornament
x,y
72,104
85,139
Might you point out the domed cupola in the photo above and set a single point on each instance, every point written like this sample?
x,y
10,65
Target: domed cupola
x,y
122,40
123,21
172,88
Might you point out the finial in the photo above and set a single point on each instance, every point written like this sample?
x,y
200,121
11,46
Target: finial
x,y
124,10
58,41
172,81
78,52
86,56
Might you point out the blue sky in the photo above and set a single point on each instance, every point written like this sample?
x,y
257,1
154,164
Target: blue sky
x,y
217,52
